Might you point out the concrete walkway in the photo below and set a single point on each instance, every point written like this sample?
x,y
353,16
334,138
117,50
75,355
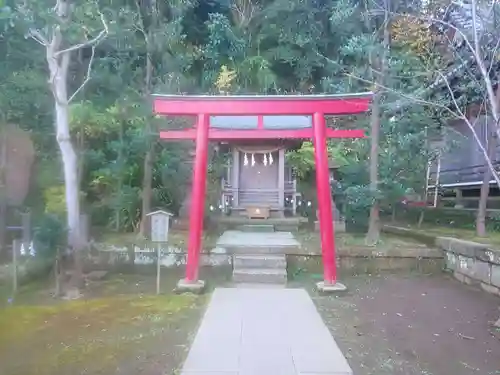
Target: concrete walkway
x,y
263,332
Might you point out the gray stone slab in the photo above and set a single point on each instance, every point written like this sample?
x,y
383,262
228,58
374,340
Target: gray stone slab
x,y
259,275
221,324
482,271
263,332
495,275
234,238
260,261
313,348
256,228
258,285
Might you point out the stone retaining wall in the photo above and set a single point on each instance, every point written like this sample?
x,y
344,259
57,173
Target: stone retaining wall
x,y
351,258
472,263
170,256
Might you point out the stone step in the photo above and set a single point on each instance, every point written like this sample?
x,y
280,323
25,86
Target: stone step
x,y
259,286
256,228
260,261
258,250
286,228
258,275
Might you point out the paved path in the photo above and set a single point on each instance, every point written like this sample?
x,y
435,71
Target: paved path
x,y
263,332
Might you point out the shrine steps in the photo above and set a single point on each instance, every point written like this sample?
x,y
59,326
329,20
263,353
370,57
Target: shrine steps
x,y
259,257
260,276
259,261
258,269
256,228
287,224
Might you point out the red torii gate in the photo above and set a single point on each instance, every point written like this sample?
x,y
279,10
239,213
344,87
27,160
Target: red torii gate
x,y
316,106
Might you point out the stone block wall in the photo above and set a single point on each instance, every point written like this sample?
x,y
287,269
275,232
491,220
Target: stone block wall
x,y
472,263
171,256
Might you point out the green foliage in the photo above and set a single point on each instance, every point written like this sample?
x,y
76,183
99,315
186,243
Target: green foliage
x,y
49,235
271,46
302,159
55,201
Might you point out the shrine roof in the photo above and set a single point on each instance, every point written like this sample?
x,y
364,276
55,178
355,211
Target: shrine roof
x,y
243,117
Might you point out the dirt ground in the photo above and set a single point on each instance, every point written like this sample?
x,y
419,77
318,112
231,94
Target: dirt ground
x,y
409,325
120,327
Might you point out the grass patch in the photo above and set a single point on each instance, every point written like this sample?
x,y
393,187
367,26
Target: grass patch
x,y
311,240
92,336
493,238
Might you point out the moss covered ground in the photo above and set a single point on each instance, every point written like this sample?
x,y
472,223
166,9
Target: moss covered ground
x,y
119,327
492,237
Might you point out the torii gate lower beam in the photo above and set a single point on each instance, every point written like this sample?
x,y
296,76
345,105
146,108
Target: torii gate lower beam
x,y
317,106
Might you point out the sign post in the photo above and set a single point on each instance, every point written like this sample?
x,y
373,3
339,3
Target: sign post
x,y
15,248
160,223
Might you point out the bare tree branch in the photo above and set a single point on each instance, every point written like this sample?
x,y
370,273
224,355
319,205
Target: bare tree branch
x,y
475,55
411,99
459,114
87,78
37,36
474,133
484,72
92,42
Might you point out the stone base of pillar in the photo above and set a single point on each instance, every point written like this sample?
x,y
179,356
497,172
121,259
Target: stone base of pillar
x,y
184,286
330,288
339,226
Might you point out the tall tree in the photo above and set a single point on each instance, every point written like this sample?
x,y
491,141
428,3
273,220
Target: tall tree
x,y
63,29
166,59
378,62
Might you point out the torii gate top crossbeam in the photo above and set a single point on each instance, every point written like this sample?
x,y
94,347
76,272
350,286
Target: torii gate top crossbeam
x,y
267,112
262,105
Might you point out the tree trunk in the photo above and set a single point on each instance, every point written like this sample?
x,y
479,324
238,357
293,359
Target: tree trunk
x,y
147,192
58,67
488,173
421,218
3,189
147,182
70,166
120,178
485,187
373,234
378,64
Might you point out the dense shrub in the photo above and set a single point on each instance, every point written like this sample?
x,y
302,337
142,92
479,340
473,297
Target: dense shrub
x,y
49,236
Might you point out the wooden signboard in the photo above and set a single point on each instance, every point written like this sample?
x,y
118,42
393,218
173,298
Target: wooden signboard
x,y
160,222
